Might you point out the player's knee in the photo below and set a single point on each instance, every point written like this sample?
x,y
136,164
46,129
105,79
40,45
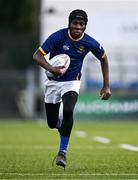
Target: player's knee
x,y
68,112
51,125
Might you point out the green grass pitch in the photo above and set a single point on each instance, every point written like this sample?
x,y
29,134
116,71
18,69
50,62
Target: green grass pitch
x,y
28,148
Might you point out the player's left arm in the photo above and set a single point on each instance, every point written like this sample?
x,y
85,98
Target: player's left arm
x,y
105,92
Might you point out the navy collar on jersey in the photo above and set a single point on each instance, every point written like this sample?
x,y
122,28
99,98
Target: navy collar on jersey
x,y
73,38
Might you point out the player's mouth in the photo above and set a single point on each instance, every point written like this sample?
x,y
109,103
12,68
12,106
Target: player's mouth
x,y
77,33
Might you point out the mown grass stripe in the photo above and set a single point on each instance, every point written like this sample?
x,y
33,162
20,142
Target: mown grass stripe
x,y
10,147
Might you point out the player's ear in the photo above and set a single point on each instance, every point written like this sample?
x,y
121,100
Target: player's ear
x,y
85,28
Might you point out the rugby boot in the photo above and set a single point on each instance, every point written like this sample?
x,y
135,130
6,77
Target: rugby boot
x,y
61,159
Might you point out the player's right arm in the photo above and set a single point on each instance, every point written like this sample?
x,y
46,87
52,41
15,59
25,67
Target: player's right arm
x,y
38,56
48,46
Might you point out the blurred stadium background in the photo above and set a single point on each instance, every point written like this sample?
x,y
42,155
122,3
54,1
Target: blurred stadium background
x,y
102,149
25,24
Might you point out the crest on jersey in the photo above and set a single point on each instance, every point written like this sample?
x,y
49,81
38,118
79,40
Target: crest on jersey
x,y
81,49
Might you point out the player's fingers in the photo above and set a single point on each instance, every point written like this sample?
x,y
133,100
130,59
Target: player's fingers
x,y
63,70
59,67
102,95
105,96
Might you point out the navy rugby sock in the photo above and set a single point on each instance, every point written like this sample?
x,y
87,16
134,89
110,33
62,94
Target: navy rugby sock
x,y
63,143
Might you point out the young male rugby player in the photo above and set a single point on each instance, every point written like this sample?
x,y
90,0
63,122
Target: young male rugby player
x,y
65,87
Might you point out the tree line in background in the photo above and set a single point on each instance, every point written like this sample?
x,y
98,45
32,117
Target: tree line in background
x,y
19,32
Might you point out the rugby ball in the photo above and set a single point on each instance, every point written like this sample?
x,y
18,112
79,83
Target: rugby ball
x,y
59,60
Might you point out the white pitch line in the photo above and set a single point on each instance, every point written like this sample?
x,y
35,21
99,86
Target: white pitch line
x,y
81,134
67,174
101,139
128,147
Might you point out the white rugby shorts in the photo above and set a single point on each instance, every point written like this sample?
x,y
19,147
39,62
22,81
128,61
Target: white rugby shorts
x,y
54,90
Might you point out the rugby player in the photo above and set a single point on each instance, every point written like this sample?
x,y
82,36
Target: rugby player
x,y
74,42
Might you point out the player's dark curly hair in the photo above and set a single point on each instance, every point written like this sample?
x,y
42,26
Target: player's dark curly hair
x,y
78,14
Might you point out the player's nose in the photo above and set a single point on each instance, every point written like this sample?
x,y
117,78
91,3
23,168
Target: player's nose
x,y
78,26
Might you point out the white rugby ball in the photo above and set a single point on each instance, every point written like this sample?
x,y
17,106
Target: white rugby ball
x,y
59,60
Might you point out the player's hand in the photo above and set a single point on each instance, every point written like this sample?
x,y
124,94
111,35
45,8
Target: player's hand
x,y
58,71
105,93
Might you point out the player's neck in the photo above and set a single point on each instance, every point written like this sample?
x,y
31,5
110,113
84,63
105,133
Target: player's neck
x,y
74,38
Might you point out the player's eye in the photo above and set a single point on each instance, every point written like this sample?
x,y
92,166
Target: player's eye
x,y
78,23
82,24
75,23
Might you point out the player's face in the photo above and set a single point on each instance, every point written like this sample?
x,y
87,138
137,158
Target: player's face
x,y
77,27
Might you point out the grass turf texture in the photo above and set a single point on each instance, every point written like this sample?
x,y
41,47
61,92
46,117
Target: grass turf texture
x,y
28,148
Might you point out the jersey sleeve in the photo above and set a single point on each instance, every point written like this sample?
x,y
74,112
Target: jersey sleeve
x,y
50,43
97,50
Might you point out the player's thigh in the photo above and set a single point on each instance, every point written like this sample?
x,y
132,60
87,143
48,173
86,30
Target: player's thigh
x,y
69,100
52,113
69,94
